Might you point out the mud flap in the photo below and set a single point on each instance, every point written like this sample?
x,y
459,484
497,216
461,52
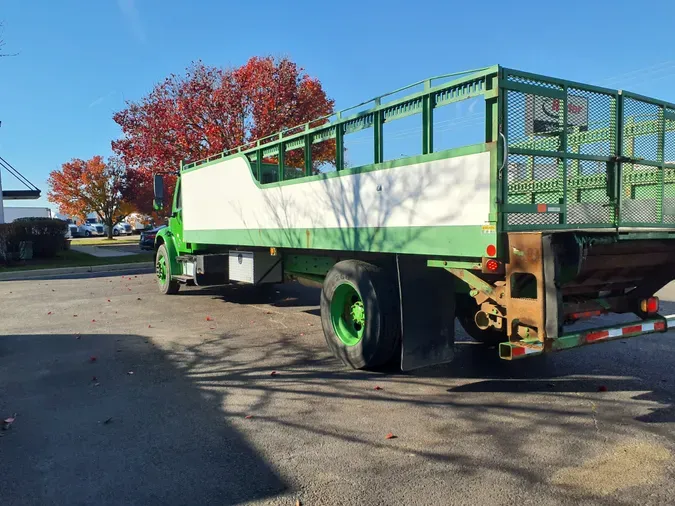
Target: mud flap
x,y
427,299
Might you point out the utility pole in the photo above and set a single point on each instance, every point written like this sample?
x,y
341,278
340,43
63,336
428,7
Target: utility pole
x,y
2,205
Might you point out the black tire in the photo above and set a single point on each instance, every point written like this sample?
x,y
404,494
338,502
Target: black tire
x,y
466,310
381,330
87,233
116,232
169,286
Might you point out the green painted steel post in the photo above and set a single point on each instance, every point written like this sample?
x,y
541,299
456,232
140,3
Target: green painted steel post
x,y
308,154
618,166
281,155
258,164
660,158
378,130
503,128
492,135
339,147
427,121
492,110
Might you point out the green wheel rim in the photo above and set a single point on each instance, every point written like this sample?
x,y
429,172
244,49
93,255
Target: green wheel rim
x,y
161,269
348,314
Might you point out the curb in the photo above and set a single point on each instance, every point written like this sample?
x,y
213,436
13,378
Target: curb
x,y
137,267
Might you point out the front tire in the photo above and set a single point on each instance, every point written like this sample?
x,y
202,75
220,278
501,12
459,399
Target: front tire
x,y
116,232
87,233
166,285
360,314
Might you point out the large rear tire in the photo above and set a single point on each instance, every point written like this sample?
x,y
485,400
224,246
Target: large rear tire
x,y
166,285
360,314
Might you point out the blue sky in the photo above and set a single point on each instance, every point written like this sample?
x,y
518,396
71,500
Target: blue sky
x,y
78,60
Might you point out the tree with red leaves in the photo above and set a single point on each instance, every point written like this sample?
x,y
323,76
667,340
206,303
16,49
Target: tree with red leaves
x,y
210,110
92,186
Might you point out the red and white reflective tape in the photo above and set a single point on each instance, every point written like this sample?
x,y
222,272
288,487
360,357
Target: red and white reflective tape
x,y
628,330
671,320
521,351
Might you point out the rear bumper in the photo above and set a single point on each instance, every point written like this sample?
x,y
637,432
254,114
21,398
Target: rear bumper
x,y
522,349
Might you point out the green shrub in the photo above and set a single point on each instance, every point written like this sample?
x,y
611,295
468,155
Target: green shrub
x,y
46,234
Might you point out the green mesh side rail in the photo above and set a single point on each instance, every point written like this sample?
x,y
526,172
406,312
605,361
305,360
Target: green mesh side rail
x,y
582,156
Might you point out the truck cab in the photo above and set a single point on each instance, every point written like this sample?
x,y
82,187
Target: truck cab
x,y
91,228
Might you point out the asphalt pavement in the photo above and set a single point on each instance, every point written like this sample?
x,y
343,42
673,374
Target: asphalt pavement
x,y
229,396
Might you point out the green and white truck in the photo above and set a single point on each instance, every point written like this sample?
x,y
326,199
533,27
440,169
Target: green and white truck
x,y
563,211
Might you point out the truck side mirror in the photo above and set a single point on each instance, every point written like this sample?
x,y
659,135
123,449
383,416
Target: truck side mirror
x,y
158,190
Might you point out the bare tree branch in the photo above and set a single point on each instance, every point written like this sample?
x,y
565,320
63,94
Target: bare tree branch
x,y
2,43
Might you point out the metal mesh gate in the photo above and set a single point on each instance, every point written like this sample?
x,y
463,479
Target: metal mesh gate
x,y
585,157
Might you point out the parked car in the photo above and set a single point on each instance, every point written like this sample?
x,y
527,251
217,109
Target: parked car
x,y
90,229
120,229
147,240
73,231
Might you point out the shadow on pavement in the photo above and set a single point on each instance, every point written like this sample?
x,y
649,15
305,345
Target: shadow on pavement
x,y
546,374
109,419
314,396
133,269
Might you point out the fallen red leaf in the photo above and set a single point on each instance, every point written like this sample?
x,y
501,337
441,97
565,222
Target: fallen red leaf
x,y
390,436
212,328
302,333
209,319
108,300
149,326
273,373
93,321
92,359
129,289
602,388
378,388
49,312
248,417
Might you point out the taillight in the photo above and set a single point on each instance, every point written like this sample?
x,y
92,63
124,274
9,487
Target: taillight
x,y
492,265
650,305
